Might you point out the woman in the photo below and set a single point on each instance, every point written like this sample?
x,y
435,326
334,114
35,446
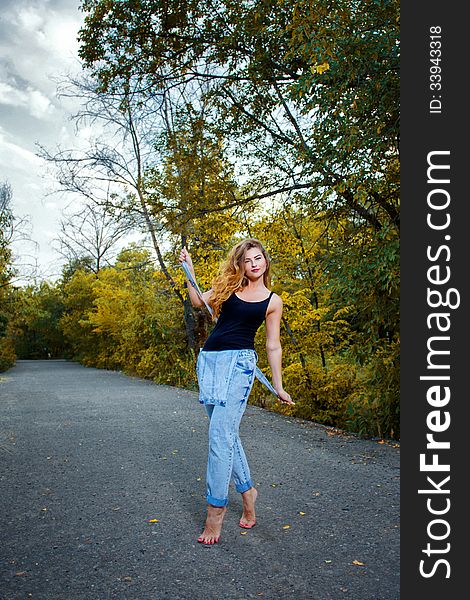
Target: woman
x,y
240,300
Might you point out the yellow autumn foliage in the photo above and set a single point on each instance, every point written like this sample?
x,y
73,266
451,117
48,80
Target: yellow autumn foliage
x,y
128,317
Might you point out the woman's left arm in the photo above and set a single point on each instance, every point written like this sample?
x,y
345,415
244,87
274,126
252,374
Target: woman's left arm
x,y
273,347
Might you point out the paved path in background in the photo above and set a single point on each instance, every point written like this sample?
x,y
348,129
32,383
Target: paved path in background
x,y
89,457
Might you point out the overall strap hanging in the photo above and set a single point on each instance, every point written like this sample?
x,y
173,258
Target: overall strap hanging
x,y
259,374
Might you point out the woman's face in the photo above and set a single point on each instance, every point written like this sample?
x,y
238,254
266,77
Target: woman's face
x,y
254,263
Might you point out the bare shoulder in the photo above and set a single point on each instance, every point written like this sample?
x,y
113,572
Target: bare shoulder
x,y
275,304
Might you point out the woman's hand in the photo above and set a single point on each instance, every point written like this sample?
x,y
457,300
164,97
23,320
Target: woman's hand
x,y
186,257
284,397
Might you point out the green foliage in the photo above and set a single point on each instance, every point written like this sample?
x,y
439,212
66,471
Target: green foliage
x,y
7,349
78,299
38,311
7,355
7,331
303,92
375,410
320,395
194,179
364,280
365,269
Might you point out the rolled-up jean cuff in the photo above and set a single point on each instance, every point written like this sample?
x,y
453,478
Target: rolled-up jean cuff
x,y
216,501
244,487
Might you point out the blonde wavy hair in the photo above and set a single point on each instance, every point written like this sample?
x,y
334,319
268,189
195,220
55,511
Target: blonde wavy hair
x,y
231,276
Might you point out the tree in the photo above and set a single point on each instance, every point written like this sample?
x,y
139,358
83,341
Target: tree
x,y
92,232
118,159
78,298
195,193
6,233
13,229
364,282
7,293
38,310
307,93
171,171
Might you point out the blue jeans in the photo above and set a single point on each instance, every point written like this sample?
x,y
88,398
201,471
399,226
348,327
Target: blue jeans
x,y
226,378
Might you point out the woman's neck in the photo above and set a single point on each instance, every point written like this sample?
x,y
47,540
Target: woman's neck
x,y
254,286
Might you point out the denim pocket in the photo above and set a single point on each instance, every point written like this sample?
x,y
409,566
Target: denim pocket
x,y
243,375
246,361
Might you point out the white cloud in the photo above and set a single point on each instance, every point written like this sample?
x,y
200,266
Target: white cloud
x,y
60,35
10,95
12,154
40,43
28,18
37,45
37,104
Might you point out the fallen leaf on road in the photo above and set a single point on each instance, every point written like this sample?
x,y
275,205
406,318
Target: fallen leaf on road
x,y
153,521
302,514
358,562
243,532
286,526
20,573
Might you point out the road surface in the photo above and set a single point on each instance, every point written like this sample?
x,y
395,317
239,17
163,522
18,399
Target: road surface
x,y
102,497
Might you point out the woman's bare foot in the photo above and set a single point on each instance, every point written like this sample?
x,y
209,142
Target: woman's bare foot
x,y
213,526
248,518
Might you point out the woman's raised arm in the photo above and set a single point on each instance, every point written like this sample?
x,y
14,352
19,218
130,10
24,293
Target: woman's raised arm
x,y
193,295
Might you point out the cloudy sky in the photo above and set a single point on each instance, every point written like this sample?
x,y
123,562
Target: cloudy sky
x,y
37,45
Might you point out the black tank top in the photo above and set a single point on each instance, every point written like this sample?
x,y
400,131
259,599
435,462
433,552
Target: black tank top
x,y
237,325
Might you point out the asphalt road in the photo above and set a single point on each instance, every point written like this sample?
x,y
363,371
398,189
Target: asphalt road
x,y
102,497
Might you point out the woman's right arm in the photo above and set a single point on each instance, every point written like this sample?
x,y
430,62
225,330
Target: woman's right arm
x,y
193,295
